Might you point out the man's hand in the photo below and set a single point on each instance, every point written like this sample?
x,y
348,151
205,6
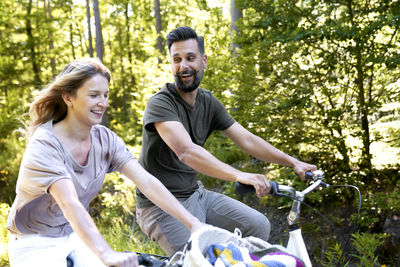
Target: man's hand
x,y
259,181
300,168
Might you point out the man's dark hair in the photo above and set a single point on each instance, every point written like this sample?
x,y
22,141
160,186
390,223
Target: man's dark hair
x,y
182,34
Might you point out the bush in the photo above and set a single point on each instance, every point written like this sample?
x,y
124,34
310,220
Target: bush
x,y
4,234
114,213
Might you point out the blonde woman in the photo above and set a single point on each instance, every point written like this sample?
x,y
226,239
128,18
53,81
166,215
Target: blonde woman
x,y
63,168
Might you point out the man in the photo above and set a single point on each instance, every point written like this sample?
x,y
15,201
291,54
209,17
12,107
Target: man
x,y
177,121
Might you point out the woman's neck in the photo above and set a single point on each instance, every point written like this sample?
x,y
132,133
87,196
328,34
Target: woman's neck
x,y
72,130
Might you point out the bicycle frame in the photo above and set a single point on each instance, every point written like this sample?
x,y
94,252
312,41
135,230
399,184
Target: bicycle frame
x,y
296,245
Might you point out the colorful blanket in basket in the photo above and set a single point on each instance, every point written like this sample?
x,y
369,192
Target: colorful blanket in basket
x,y
227,255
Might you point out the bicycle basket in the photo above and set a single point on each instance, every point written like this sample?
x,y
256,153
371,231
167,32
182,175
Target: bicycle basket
x,y
197,247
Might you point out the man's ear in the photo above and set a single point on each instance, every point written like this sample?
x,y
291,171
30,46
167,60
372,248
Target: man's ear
x,y
67,99
205,61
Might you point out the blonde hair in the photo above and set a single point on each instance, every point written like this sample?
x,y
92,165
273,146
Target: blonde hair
x,y
49,104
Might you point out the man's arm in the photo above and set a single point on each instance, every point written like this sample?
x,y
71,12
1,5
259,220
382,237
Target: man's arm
x,y
177,138
261,149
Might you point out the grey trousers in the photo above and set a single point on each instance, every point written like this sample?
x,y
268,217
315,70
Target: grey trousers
x,y
209,207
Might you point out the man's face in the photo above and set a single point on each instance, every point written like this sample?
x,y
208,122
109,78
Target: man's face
x,y
187,64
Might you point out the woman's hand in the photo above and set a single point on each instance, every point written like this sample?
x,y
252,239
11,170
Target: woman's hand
x,y
196,225
119,259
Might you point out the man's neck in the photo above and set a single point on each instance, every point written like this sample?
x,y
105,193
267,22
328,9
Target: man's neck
x,y
189,98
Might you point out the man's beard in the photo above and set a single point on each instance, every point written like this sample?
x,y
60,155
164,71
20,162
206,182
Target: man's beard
x,y
198,76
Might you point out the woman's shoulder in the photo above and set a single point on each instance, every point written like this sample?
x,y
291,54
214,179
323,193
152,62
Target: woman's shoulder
x,y
44,132
102,132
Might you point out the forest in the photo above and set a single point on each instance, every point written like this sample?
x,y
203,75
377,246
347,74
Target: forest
x,y
318,79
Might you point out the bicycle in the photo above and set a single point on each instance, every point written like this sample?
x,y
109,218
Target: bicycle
x,y
295,246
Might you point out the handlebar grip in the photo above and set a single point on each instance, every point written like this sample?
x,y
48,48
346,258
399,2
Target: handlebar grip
x,y
148,260
274,188
244,189
309,175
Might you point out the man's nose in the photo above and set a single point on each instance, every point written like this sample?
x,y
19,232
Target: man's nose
x,y
184,64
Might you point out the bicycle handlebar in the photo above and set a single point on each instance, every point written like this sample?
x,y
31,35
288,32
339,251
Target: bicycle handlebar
x,y
149,260
276,189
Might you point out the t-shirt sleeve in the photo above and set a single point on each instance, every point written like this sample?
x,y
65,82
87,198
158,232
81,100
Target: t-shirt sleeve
x,y
120,153
159,108
41,166
222,119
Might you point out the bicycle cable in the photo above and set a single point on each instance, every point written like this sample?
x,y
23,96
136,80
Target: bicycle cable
x,y
356,221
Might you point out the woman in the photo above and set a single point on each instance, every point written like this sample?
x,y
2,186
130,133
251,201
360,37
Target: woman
x,y
63,168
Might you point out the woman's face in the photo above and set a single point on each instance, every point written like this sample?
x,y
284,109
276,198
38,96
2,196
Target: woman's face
x,y
90,101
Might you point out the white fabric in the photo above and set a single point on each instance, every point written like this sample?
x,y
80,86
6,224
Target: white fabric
x,y
42,251
200,241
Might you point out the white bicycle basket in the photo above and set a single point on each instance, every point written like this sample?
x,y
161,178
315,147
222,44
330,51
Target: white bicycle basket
x,y
196,249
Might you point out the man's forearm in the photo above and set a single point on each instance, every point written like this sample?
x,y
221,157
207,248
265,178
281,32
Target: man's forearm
x,y
205,163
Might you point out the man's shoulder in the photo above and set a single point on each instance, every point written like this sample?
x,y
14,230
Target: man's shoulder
x,y
162,93
205,92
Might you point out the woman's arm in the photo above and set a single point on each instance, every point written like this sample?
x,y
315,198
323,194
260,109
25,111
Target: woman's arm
x,y
63,191
154,190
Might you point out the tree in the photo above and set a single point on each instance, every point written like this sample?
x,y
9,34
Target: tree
x,y
159,44
317,70
99,34
236,15
89,28
32,44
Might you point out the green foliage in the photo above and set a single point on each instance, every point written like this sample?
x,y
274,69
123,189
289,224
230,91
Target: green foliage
x,y
334,256
10,158
115,204
4,234
310,71
114,212
366,245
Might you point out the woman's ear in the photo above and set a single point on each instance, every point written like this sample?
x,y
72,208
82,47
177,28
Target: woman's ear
x,y
67,99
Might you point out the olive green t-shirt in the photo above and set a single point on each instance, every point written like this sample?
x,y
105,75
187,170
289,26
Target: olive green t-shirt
x,y
208,114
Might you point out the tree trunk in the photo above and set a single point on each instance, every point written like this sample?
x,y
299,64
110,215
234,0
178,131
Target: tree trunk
x,y
47,9
89,28
363,106
71,35
159,44
99,36
128,45
236,14
31,46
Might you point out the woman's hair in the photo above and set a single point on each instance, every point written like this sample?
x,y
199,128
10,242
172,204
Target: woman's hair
x,y
49,104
